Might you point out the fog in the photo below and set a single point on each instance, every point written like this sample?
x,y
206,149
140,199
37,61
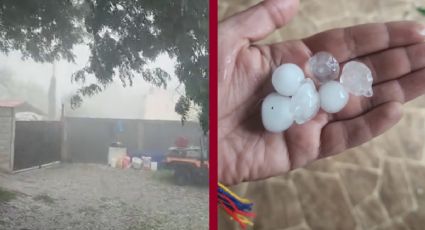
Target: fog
x,y
140,101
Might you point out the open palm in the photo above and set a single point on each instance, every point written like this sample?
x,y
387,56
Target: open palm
x,y
394,51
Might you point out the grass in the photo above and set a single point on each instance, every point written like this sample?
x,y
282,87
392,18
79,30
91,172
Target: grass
x,y
167,176
163,175
44,198
6,195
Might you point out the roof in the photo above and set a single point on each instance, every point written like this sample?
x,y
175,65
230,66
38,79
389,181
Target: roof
x,y
20,106
11,103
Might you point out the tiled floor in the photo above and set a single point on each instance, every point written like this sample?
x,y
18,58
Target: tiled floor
x,y
379,185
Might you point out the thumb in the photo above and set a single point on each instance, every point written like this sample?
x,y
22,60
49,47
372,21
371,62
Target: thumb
x,y
262,19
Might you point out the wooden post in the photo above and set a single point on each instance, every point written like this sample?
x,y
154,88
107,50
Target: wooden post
x,y
12,144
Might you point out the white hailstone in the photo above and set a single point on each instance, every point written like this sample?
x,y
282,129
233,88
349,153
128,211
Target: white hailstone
x,y
323,67
333,97
286,79
305,103
275,113
357,79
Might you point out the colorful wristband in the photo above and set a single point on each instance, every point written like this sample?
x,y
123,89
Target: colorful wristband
x,y
239,209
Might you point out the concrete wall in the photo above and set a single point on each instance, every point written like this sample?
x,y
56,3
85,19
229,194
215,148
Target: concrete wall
x,y
88,139
6,138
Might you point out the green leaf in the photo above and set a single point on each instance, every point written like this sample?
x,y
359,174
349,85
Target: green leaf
x,y
122,35
421,10
182,108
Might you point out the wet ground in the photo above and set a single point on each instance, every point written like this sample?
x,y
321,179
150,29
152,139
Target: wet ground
x,y
90,196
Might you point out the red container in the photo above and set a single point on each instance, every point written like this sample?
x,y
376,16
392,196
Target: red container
x,y
182,142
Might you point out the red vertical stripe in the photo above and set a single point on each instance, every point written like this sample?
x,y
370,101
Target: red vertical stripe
x,y
213,112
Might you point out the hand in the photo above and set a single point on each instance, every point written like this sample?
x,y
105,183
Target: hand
x,y
393,51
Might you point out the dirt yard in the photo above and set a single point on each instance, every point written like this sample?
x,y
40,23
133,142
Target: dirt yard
x,y
89,196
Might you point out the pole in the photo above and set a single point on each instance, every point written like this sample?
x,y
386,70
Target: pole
x,y
64,142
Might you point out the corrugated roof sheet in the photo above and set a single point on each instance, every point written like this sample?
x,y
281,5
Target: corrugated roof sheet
x,y
11,103
20,106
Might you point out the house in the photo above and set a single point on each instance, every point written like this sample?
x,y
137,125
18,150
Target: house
x,y
23,110
20,106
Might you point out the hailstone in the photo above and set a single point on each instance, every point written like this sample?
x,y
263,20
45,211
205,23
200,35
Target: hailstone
x,y
333,97
287,78
275,113
305,103
357,79
323,67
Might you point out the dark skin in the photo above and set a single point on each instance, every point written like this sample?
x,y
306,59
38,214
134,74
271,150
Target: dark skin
x,y
394,52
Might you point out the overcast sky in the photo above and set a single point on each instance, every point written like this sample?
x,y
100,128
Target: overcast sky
x,y
141,101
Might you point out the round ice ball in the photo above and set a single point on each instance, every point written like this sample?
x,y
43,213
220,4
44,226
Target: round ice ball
x,y
286,79
357,79
323,67
305,103
275,113
333,97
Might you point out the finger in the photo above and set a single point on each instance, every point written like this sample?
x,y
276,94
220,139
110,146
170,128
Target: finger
x,y
262,19
400,90
341,135
394,63
386,66
351,42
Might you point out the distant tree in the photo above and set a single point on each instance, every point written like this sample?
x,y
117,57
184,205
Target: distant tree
x,y
11,88
123,37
